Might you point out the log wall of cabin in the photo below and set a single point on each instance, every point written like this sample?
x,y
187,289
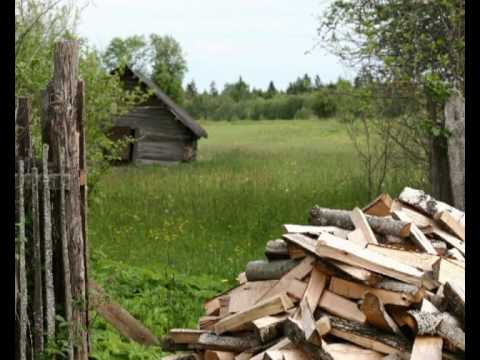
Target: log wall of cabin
x,y
160,137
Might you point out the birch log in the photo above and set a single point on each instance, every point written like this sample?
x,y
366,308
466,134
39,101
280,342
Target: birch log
x,y
428,205
440,324
265,270
341,218
276,249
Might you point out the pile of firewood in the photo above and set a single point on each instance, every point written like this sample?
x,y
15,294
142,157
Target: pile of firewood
x,y
385,282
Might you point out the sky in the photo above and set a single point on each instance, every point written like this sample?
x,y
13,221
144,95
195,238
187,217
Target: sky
x,y
260,40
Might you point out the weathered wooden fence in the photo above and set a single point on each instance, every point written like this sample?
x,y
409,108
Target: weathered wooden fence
x,y
51,252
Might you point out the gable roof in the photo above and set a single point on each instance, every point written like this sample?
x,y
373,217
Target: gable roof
x,y
180,114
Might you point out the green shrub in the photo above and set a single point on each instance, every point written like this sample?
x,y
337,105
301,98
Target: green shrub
x,y
323,105
305,113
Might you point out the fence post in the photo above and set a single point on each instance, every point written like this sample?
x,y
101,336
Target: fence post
x,y
61,130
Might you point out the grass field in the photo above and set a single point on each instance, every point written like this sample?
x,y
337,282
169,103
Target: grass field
x,y
214,215
163,239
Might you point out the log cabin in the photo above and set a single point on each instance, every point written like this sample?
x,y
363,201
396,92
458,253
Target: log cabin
x,y
164,133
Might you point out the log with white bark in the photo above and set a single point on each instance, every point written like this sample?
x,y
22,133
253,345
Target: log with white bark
x,y
276,249
428,205
439,324
268,270
226,343
455,298
341,218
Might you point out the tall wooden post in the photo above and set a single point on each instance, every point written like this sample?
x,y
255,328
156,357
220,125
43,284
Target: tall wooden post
x,y
62,131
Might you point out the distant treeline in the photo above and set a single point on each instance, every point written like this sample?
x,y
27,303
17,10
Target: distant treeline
x,y
303,99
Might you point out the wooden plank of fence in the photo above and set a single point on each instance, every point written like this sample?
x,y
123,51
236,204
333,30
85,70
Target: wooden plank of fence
x,y
48,249
62,130
24,138
65,257
37,268
23,274
83,192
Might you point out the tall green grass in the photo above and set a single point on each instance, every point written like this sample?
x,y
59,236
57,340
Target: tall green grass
x,y
212,216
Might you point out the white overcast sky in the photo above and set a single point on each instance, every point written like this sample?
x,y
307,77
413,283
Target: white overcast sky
x,y
261,40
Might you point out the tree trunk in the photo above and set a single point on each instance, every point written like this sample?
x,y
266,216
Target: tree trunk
x,y
440,171
455,123
439,168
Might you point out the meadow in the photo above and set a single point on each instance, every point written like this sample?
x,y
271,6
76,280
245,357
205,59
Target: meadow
x,y
188,230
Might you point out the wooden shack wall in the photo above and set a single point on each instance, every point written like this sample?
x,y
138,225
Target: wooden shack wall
x,y
160,137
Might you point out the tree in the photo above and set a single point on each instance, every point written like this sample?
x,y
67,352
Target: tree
x,y
300,86
317,83
307,83
133,51
38,25
257,93
416,47
271,90
191,90
213,89
158,57
237,91
168,65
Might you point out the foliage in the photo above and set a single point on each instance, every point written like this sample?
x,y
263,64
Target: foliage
x,y
158,57
132,50
105,99
38,25
160,299
169,65
300,86
412,50
237,91
191,90
323,104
